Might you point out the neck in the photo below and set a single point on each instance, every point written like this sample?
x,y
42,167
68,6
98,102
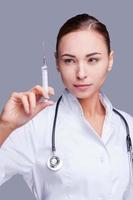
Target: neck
x,y
92,106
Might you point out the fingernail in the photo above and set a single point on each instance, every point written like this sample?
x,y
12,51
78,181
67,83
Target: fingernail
x,y
47,96
33,110
27,110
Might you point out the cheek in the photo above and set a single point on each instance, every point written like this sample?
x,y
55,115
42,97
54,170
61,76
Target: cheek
x,y
100,74
67,74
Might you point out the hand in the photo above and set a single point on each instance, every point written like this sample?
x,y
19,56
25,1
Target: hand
x,y
23,106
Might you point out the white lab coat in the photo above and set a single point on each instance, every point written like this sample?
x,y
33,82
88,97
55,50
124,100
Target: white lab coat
x,y
94,168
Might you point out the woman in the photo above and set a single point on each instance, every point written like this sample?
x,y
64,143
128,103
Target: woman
x,y
90,137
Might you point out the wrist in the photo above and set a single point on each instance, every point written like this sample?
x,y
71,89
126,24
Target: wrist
x,y
6,125
5,130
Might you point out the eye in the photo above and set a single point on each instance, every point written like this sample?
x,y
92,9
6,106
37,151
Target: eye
x,y
68,61
93,60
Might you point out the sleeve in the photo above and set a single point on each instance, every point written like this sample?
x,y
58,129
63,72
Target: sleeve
x,y
17,153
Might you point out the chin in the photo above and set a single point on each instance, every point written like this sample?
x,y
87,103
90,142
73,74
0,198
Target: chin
x,y
82,95
85,94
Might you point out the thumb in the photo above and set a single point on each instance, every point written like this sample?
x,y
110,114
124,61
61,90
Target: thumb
x,y
43,105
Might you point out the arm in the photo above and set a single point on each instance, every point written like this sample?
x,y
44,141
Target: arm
x,y
5,131
17,153
17,134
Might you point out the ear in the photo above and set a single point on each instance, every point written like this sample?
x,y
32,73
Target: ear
x,y
56,60
111,60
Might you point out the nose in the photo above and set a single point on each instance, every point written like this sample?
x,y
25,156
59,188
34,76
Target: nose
x,y
81,72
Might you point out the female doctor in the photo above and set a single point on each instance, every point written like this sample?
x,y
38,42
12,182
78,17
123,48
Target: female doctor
x,y
91,159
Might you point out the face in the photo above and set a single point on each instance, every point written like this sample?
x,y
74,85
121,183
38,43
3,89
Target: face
x,y
83,62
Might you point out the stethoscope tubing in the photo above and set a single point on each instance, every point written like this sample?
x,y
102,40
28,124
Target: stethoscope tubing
x,y
54,125
128,138
54,163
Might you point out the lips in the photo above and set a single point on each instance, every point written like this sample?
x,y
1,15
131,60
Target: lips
x,y
82,87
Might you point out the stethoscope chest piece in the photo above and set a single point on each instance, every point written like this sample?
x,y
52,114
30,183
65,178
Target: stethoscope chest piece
x,y
54,163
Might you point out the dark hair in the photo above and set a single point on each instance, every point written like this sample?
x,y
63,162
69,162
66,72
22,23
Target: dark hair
x,y
81,22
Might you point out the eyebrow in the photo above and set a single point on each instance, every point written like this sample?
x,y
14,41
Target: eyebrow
x,y
88,55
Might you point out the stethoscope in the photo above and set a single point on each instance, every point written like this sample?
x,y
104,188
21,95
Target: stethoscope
x,y
55,163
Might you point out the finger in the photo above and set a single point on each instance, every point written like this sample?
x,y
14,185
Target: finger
x,y
16,97
25,103
40,90
32,101
49,102
51,90
41,106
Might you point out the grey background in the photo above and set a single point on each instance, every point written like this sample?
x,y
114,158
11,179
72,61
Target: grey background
x,y
25,24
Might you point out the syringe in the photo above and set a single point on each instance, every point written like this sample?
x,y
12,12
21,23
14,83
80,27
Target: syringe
x,y
45,77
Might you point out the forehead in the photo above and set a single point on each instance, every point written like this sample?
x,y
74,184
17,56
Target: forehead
x,y
83,41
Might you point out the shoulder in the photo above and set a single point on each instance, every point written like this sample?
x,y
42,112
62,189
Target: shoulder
x,y
129,119
126,115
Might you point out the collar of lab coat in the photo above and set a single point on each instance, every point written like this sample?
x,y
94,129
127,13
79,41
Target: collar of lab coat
x,y
72,104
